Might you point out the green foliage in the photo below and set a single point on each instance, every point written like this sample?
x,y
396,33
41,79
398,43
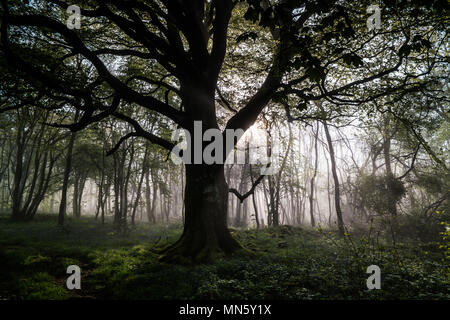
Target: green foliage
x,y
41,286
378,192
36,260
432,183
308,265
422,227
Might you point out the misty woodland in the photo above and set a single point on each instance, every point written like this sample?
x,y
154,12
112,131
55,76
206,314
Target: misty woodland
x,y
224,149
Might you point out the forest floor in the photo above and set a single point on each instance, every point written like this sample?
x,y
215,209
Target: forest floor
x,y
290,263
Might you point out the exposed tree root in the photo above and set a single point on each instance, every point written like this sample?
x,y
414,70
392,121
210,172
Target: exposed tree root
x,y
188,251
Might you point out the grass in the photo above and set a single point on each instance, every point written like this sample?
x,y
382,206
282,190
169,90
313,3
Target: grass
x,y
290,263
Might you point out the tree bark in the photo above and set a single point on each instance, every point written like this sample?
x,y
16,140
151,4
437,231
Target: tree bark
x,y
206,235
255,206
337,197
139,187
67,170
148,203
311,193
392,205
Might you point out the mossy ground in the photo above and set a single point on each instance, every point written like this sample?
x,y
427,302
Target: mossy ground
x,y
289,263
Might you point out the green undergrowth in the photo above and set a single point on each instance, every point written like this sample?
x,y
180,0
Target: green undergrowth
x,y
289,263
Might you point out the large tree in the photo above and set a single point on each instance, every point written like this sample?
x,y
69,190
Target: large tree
x,y
168,57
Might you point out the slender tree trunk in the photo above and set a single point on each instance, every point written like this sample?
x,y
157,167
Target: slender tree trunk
x,y
255,207
139,188
65,186
182,194
337,201
330,211
105,202
392,205
77,194
238,220
100,196
148,203
311,193
16,193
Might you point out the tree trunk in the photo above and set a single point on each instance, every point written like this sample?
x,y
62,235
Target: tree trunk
x,y
148,203
67,170
337,196
392,204
182,193
255,207
330,212
16,195
311,193
76,195
206,235
239,221
139,187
